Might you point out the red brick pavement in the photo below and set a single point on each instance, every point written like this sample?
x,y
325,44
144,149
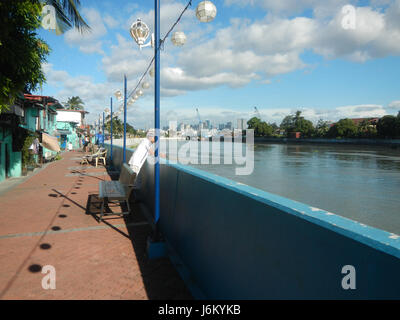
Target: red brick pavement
x,y
44,221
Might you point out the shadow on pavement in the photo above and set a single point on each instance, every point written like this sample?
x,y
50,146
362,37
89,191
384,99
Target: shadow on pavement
x,y
161,280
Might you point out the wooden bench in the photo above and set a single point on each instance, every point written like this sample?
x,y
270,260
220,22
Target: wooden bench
x,y
117,191
99,154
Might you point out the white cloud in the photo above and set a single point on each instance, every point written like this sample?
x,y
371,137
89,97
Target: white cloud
x,y
88,42
111,22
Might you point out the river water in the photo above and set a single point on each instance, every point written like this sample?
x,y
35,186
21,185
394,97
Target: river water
x,y
358,182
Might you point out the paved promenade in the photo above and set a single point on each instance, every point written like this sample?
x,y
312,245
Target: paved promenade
x,y
47,220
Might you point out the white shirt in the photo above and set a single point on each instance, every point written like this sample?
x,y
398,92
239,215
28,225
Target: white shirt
x,y
140,155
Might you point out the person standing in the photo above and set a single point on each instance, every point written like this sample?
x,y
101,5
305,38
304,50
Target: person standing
x,y
140,155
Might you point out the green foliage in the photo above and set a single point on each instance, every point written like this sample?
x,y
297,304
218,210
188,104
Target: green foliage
x,y
389,126
367,130
344,128
321,129
21,50
68,15
75,103
27,157
118,127
297,123
287,123
261,128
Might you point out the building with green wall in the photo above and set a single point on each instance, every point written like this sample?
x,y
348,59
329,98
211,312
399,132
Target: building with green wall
x,y
29,118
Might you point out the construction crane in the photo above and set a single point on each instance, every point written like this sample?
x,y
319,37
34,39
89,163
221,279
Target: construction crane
x,y
257,113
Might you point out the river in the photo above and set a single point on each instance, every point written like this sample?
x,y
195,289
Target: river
x,y
358,182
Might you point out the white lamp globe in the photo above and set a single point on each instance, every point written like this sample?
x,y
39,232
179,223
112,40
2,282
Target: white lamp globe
x,y
178,38
206,11
135,97
152,72
139,31
118,94
139,92
145,85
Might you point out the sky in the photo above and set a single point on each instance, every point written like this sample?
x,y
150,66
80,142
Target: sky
x,y
280,56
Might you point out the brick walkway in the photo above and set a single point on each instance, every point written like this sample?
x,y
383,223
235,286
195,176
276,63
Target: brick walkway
x,y
44,221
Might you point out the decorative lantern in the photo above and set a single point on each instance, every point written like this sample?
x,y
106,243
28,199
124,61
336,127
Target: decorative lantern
x,y
139,32
145,85
131,101
206,11
178,38
118,94
152,72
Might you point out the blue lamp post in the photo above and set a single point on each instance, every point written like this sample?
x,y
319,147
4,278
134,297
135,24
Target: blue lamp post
x,y
205,12
103,131
111,131
124,154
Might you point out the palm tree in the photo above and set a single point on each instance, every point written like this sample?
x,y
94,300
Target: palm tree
x,y
75,103
68,15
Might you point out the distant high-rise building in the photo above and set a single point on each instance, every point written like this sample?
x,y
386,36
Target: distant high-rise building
x,y
241,124
229,125
221,126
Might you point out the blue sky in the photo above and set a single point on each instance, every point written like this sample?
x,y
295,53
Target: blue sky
x,y
280,56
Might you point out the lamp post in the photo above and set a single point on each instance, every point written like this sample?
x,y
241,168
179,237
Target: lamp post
x,y
103,130
205,12
111,131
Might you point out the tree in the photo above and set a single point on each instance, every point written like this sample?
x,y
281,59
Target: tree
x,y
388,126
322,128
75,103
366,130
253,122
118,127
287,124
261,128
68,15
344,128
297,123
21,51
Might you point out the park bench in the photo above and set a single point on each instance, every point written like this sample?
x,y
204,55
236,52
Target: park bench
x,y
117,191
99,154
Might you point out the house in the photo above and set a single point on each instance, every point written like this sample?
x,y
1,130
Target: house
x,y
11,140
44,109
30,117
71,127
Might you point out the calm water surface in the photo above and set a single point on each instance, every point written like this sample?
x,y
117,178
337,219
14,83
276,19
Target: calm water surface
x,y
358,182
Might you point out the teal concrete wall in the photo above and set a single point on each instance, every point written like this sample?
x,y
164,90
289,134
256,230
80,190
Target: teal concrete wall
x,y
30,119
73,137
232,241
15,169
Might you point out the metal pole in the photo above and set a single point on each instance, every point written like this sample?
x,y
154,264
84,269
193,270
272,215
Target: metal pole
x,y
111,130
157,111
103,131
124,160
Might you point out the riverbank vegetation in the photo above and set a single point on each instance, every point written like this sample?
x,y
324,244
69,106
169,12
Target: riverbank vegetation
x,y
118,129
295,125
